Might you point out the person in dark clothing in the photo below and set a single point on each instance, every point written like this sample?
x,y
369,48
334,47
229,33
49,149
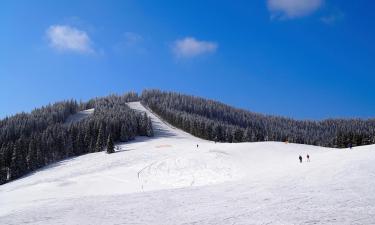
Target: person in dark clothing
x,y
300,159
308,158
350,146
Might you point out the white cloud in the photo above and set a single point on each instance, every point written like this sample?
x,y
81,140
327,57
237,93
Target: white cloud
x,y
289,9
67,38
190,47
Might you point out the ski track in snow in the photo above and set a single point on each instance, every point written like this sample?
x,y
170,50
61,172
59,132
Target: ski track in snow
x,y
168,180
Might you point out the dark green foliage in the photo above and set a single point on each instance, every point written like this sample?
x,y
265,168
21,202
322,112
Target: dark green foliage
x,y
110,147
238,135
100,140
31,157
219,122
18,164
29,141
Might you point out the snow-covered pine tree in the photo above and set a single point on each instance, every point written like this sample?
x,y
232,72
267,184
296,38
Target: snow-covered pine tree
x,y
99,140
110,147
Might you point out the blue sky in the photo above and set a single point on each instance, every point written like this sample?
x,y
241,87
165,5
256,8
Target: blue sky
x,y
305,59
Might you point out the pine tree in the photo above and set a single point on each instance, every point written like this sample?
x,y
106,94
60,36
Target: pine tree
x,y
238,135
40,157
144,124
80,144
31,157
247,135
99,140
68,146
124,133
3,169
110,147
18,163
149,130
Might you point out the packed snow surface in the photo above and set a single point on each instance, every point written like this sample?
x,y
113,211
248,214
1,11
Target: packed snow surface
x,y
175,178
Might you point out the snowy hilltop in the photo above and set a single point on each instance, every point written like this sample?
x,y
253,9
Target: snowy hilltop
x,y
176,178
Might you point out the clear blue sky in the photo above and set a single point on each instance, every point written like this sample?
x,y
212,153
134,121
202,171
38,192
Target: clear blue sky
x,y
306,59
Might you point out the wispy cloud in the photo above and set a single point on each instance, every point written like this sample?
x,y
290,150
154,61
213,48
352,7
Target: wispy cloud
x,y
290,9
190,47
131,42
67,38
331,19
131,38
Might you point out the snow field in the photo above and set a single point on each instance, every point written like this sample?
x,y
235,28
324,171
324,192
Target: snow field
x,y
168,180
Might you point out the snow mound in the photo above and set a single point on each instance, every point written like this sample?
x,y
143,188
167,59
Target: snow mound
x,y
194,169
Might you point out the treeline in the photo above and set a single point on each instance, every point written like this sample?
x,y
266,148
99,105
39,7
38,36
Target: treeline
x,y
215,121
29,141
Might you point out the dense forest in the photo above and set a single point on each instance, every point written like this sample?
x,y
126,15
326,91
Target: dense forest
x,y
29,141
215,121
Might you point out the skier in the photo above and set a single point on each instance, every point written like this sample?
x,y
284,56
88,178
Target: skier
x,y
300,159
350,145
308,158
197,145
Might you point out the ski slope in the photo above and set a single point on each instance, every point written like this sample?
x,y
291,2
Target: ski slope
x,y
167,179
79,116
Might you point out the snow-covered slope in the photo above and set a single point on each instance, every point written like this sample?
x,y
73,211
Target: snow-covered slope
x,y
79,116
162,129
175,178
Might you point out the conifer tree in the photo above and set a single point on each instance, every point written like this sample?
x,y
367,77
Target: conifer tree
x,y
124,133
3,169
18,163
149,130
99,140
31,155
110,147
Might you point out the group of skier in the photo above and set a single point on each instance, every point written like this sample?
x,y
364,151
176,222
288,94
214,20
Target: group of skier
x,y
350,146
301,159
